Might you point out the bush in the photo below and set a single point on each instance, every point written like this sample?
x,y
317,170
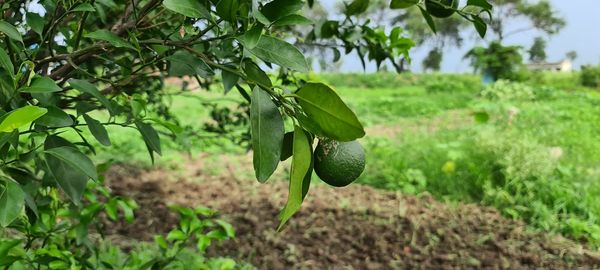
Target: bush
x,y
504,90
497,60
590,76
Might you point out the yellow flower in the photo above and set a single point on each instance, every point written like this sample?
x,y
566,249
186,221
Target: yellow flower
x,y
449,167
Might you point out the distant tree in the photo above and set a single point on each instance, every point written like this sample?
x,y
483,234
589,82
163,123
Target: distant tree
x,y
540,16
572,55
537,52
433,60
497,60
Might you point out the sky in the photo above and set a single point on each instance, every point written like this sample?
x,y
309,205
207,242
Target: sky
x,y
581,34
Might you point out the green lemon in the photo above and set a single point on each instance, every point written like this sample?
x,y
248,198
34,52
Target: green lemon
x,y
439,8
339,163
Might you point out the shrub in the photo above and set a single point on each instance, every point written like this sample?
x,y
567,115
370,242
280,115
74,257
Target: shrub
x,y
590,76
504,90
499,61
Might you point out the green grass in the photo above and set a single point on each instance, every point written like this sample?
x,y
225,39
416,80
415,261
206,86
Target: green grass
x,y
541,167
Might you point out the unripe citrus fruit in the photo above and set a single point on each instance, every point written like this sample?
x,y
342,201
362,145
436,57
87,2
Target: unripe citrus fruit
x,y
439,8
339,163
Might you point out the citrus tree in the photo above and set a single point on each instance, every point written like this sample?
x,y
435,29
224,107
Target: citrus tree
x,y
63,61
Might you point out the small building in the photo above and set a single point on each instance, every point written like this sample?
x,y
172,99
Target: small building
x,y
562,66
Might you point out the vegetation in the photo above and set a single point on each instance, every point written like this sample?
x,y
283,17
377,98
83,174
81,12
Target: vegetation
x,y
497,61
537,52
82,79
71,68
590,76
525,148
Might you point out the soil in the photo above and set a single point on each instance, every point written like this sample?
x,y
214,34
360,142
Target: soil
x,y
356,227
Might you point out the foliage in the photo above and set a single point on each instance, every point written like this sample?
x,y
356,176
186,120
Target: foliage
x,y
497,60
539,15
590,76
59,239
433,60
140,254
533,156
434,143
197,228
503,91
70,69
414,22
537,52
571,55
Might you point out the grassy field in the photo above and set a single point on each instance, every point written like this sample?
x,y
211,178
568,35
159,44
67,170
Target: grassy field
x,y
528,149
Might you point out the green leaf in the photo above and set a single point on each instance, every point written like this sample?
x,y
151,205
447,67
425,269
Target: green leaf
x,y
307,178
301,161
72,182
328,29
336,54
309,124
20,117
267,134
251,37
55,117
480,3
127,211
279,8
357,7
329,112
6,246
428,19
255,74
111,37
149,135
188,8
287,146
279,52
183,63
230,79
228,228
69,167
480,25
75,159
227,9
5,63
259,16
481,117
88,88
84,7
396,4
293,19
54,141
36,22
41,85
97,129
10,31
176,235
12,200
